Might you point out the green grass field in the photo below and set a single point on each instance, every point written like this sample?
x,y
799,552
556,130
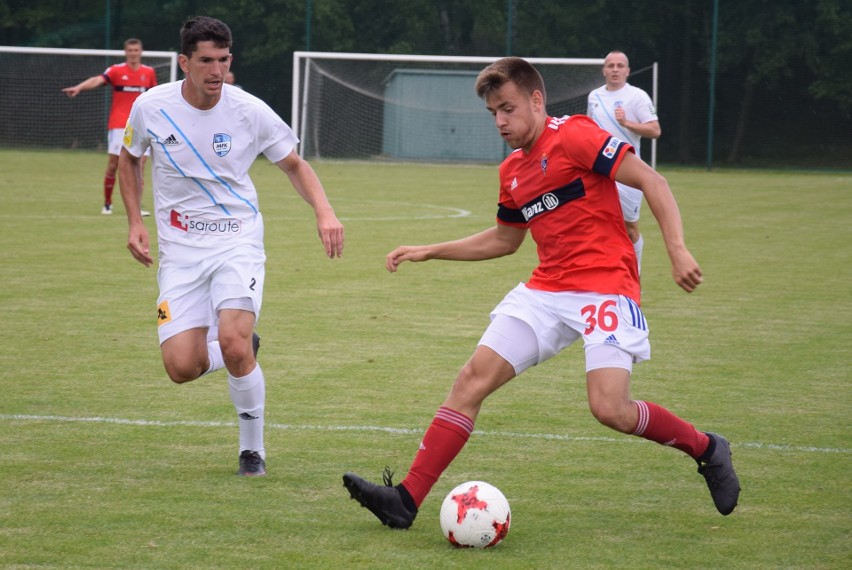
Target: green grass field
x,y
106,464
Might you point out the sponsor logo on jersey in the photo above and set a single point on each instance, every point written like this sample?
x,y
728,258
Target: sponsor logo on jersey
x,y
164,315
552,200
171,141
514,184
221,144
611,147
547,202
190,225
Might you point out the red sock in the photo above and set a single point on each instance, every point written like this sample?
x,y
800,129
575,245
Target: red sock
x,y
109,184
658,424
443,440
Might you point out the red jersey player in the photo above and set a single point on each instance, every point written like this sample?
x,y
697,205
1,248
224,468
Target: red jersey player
x,y
128,80
558,185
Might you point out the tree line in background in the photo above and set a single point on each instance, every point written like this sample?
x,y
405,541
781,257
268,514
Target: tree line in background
x,y
783,80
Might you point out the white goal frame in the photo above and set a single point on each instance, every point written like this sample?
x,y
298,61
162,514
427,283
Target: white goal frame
x,y
104,52
300,94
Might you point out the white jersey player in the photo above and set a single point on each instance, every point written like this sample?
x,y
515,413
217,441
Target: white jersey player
x,y
204,197
204,136
626,112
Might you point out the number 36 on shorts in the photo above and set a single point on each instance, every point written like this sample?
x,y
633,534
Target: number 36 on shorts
x,y
605,316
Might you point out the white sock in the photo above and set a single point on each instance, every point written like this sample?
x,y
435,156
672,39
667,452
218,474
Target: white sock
x,y
249,395
214,354
637,247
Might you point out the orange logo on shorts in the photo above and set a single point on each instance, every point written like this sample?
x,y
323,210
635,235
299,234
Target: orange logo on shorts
x,y
164,315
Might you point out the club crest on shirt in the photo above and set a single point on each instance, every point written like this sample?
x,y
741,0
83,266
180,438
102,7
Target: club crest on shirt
x,y
221,144
544,164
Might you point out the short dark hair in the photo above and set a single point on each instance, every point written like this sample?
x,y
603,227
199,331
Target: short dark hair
x,y
132,42
509,69
204,29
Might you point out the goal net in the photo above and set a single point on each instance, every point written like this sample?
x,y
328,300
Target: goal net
x,y
414,108
35,113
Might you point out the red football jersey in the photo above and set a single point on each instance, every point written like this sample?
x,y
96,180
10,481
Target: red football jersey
x,y
127,85
563,190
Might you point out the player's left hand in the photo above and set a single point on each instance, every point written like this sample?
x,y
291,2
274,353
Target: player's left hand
x,y
686,272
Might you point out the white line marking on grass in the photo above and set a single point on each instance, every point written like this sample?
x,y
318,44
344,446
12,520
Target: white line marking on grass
x,y
401,431
454,213
449,213
385,210
391,211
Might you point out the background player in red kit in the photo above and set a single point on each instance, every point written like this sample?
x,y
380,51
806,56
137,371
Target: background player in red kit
x,y
558,186
128,80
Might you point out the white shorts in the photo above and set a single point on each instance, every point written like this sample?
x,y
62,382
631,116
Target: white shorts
x,y
555,320
115,140
191,297
631,201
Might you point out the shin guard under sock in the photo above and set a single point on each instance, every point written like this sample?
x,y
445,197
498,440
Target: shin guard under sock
x,y
214,355
444,439
249,395
660,425
109,184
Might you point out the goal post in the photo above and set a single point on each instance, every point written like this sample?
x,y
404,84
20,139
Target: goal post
x,y
414,107
35,113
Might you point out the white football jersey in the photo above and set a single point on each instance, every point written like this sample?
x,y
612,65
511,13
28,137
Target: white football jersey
x,y
637,106
203,196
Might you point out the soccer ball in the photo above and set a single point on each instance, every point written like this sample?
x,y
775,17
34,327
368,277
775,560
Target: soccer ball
x,y
475,515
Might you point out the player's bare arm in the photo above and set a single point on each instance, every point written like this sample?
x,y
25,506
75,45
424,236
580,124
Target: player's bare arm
x,y
494,242
91,83
634,172
130,182
307,184
649,130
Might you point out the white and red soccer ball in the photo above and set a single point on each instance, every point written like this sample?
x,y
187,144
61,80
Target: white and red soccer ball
x,y
475,515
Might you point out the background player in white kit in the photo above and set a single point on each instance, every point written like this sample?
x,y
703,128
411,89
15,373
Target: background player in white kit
x,y
628,113
204,136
